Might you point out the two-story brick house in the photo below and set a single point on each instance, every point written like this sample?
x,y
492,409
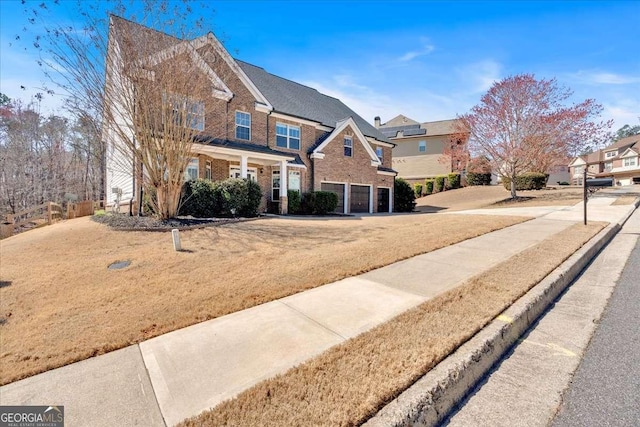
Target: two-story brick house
x,y
619,161
283,135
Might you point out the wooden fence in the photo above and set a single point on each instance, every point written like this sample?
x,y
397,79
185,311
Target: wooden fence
x,y
47,213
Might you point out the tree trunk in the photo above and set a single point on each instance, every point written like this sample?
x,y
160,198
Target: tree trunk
x,y
513,187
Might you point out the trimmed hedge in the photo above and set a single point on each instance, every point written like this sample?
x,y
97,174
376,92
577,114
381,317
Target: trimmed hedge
x,y
439,184
474,178
404,198
319,202
294,201
199,199
428,186
228,198
527,181
417,189
454,180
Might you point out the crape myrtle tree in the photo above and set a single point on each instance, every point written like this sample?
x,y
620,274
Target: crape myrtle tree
x,y
141,89
523,124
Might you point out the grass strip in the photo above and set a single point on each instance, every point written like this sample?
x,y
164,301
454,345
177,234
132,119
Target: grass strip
x,y
624,200
349,383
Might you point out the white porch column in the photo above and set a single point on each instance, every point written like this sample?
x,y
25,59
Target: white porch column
x,y
244,160
284,175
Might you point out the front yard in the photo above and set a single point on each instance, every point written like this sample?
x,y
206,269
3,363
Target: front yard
x,y
59,303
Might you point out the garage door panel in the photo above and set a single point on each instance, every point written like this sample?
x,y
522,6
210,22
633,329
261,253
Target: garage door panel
x,y
339,190
383,199
360,198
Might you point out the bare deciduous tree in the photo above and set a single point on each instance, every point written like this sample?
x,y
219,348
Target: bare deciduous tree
x,y
141,89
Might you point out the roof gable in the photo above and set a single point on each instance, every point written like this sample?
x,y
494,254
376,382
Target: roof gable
x,y
578,161
342,125
629,152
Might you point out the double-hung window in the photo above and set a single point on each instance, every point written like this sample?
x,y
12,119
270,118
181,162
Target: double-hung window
x,y
287,136
610,154
192,172
243,125
186,112
348,146
629,161
379,153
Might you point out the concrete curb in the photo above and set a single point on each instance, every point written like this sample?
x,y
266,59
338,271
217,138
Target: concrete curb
x,y
432,397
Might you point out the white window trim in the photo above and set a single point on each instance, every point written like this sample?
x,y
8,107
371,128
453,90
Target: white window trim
x,y
344,145
630,161
242,126
288,136
610,154
381,156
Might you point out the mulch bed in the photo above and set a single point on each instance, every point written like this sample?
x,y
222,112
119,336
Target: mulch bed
x,y
126,222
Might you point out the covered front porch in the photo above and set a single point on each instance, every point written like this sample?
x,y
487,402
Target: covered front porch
x,y
276,172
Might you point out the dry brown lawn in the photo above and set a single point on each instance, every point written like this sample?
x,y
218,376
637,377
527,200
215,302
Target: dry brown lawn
x,y
560,196
349,383
495,196
59,303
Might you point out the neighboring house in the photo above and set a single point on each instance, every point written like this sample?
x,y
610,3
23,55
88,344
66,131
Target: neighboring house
x,y
419,149
619,161
284,135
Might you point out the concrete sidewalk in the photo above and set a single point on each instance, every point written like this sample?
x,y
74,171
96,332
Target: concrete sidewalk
x,y
182,373
526,387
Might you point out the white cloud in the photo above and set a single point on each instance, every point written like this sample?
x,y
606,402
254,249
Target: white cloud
x,y
603,77
479,76
425,49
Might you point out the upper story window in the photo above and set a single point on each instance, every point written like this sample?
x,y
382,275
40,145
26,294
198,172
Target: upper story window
x,y
608,166
630,161
186,112
348,146
610,154
578,170
379,153
243,125
288,136
422,146
191,173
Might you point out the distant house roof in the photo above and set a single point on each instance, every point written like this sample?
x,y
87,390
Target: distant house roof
x,y
409,127
302,101
621,146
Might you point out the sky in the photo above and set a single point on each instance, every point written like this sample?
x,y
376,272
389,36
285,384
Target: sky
x,y
427,60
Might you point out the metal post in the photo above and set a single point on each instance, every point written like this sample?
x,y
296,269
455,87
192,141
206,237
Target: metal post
x,y
584,190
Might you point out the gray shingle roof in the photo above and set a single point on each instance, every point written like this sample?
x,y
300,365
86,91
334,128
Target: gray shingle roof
x,y
218,142
301,101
